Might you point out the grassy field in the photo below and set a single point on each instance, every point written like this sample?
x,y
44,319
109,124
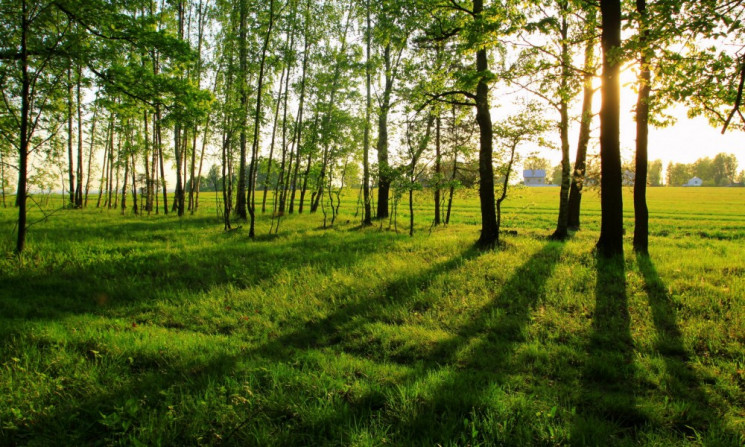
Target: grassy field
x,y
124,330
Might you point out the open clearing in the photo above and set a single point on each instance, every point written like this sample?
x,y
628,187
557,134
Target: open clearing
x,y
158,330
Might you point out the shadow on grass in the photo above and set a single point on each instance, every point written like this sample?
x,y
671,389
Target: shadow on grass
x,y
133,402
606,411
477,360
695,414
101,281
453,374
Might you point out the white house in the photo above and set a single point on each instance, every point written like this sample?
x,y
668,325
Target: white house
x,y
534,177
695,181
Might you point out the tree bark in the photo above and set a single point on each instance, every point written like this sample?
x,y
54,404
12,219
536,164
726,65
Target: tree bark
x,y
438,171
641,213
24,137
71,170
257,122
580,163
90,157
240,201
79,184
561,231
367,219
489,231
384,177
610,242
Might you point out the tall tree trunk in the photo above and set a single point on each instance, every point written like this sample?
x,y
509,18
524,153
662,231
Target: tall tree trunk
x,y
79,185
438,170
306,174
561,231
90,157
177,137
149,177
641,213
24,137
240,202
110,175
329,112
384,177
489,230
297,134
580,163
159,134
257,124
367,218
106,154
193,169
71,170
134,184
124,186
289,62
201,163
610,242
273,140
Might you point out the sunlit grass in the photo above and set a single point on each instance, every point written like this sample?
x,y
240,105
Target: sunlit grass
x,y
158,330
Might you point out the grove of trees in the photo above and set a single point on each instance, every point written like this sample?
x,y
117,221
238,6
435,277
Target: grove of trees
x,y
296,99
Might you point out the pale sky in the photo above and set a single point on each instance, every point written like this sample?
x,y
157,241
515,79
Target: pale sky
x,y
684,142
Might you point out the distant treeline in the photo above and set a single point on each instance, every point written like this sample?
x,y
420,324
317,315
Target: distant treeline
x,y
719,171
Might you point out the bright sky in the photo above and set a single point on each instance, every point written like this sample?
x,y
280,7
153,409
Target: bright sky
x,y
684,142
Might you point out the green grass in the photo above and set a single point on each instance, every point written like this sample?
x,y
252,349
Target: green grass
x,y
157,330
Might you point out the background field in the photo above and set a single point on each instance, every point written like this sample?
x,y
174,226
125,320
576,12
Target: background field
x,y
157,330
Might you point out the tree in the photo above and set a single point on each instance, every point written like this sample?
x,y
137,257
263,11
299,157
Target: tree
x,y
588,92
641,213
526,126
654,173
479,28
725,169
610,242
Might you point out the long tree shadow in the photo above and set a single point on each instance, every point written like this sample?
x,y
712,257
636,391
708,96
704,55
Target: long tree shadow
x,y
151,375
606,406
105,283
694,413
477,357
454,372
363,308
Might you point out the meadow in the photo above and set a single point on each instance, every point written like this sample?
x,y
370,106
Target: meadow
x,y
155,330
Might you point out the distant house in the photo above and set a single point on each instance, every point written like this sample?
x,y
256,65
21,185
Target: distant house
x,y
534,177
695,181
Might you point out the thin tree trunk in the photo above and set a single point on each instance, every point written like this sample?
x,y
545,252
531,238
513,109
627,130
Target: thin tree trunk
x,y
296,136
105,164
271,145
489,230
438,170
240,202
134,183
641,213
201,163
610,242
124,186
179,201
71,171
580,163
90,157
149,177
158,131
367,219
24,134
79,185
257,123
561,232
384,177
